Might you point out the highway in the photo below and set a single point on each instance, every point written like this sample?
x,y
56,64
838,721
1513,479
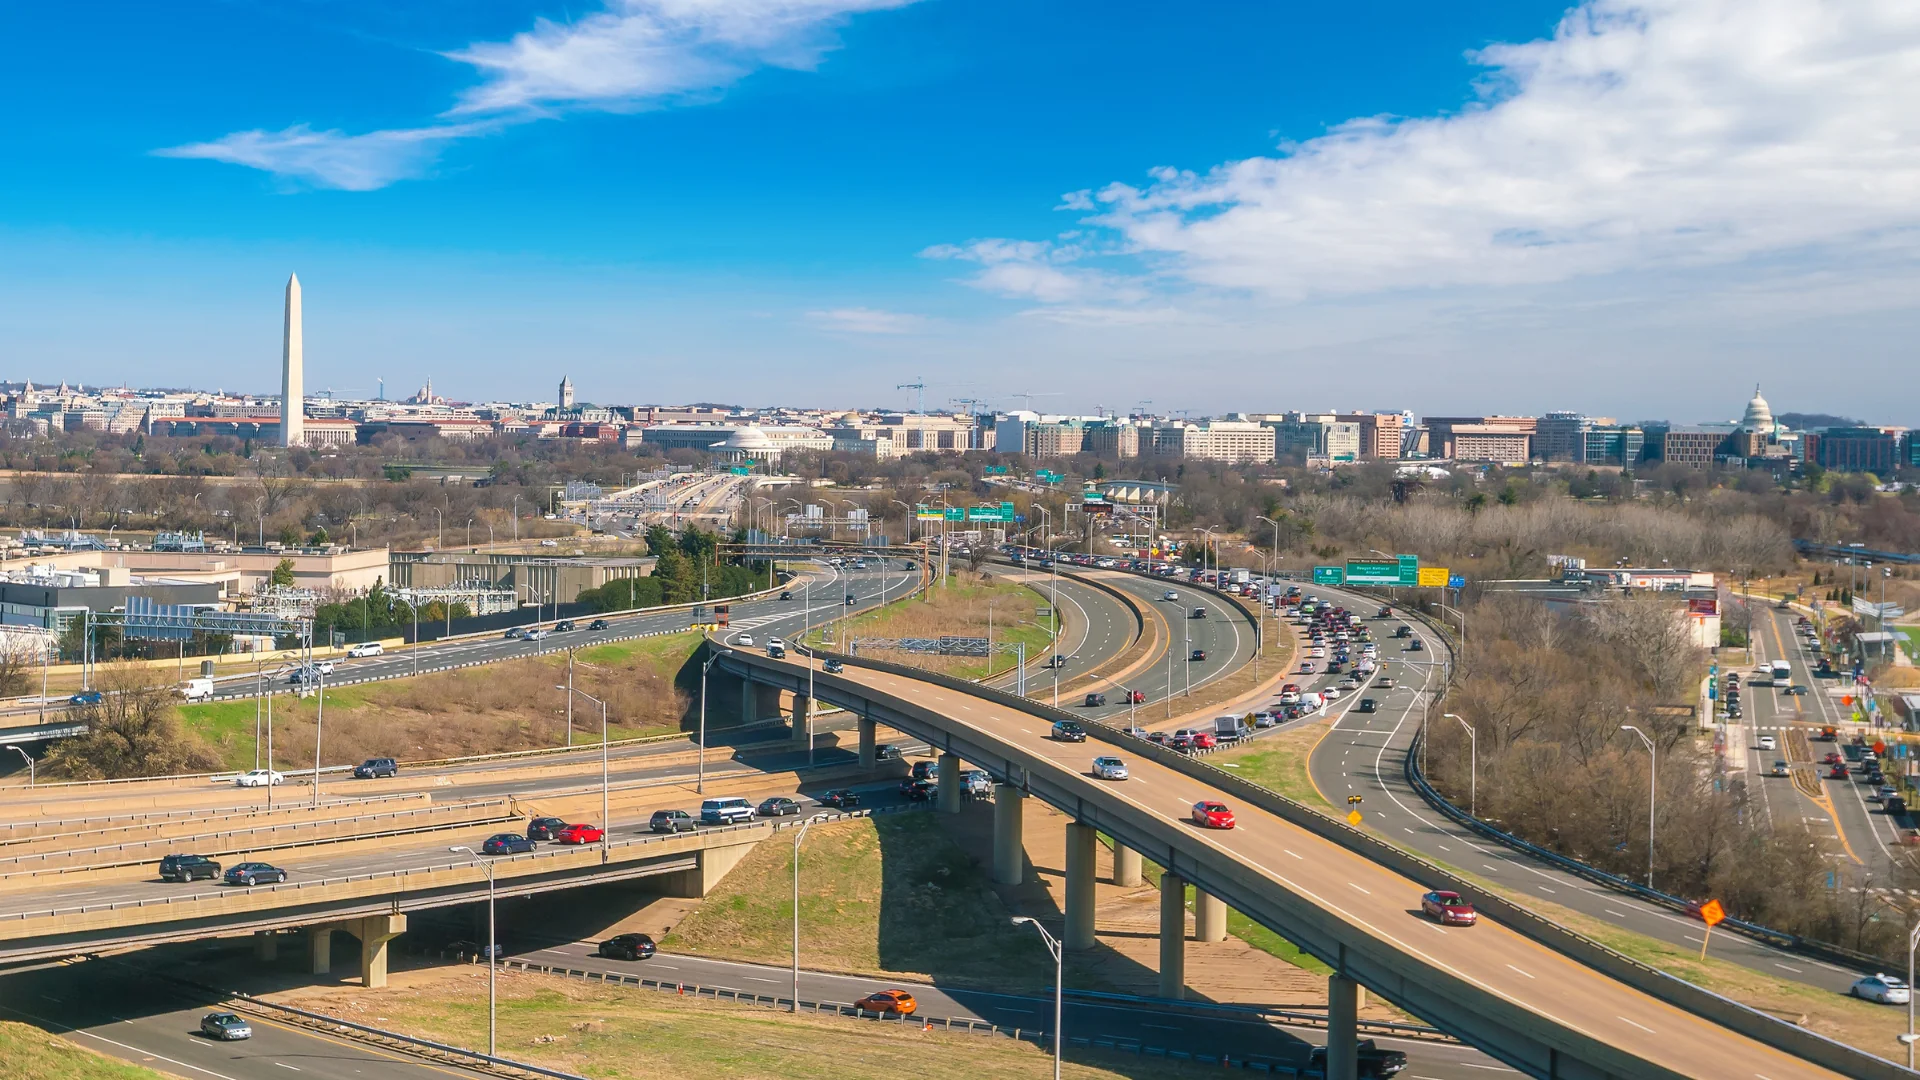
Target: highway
x,y
1368,899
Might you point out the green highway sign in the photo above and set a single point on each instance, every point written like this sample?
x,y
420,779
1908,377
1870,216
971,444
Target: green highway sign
x,y
1001,513
1404,570
1329,575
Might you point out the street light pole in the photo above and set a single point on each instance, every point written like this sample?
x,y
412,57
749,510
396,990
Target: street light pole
x,y
700,785
1473,766
1653,781
28,758
1053,946
606,815
1913,941
797,838
319,725
488,948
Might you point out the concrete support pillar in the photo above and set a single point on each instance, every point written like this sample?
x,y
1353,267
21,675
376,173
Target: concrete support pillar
x,y
1173,936
320,950
749,701
1009,847
1126,866
1079,904
867,744
266,946
375,932
950,784
1209,917
1343,1053
802,716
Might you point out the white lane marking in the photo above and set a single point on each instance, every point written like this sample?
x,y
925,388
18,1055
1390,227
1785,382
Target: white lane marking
x,y
1616,914
1351,885
1543,888
1642,1027
1291,853
284,1065
1527,974
1788,967
145,1055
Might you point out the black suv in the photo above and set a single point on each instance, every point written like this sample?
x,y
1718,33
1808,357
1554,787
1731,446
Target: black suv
x,y
545,828
672,821
597,624
188,867
563,626
376,767
1094,701
627,947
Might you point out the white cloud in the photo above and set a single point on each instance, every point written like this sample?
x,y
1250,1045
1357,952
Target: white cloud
x,y
332,159
1674,134
635,54
861,320
1039,271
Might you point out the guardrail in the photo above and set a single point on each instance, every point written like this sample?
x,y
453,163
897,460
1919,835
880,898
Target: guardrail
x,y
1742,1019
250,810
1778,938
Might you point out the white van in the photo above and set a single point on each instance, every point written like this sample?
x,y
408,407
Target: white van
x,y
730,810
195,689
367,648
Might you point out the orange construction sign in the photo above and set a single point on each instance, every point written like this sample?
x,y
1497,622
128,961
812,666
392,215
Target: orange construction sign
x,y
1712,913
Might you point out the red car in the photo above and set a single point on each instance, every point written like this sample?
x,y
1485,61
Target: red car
x,y
580,834
1204,740
1449,909
1136,697
1839,771
1212,815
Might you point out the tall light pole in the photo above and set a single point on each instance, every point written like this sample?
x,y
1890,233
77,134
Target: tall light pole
x,y
319,724
797,838
28,758
1053,946
606,816
1473,766
700,785
516,519
1913,941
1653,788
440,531
488,948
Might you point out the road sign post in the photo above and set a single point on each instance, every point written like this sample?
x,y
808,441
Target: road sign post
x,y
1713,915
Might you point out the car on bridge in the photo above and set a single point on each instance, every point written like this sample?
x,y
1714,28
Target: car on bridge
x,y
87,697
1448,908
259,778
1068,731
1210,814
745,641
506,843
841,798
255,873
1883,988
225,1026
374,768
545,828
888,1003
671,821
777,806
1170,596
1108,767
366,648
597,624
627,947
833,667
184,868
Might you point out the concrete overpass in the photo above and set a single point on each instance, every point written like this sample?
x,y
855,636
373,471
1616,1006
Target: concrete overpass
x,y
1545,1001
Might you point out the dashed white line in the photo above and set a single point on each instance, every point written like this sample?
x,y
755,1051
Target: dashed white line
x,y
1642,1027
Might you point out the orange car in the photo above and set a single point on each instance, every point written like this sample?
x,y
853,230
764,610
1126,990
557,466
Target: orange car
x,y
896,1002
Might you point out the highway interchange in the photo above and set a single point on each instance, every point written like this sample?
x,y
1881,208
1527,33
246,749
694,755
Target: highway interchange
x,y
1359,750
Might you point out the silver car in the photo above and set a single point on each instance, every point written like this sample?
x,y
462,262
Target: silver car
x,y
1883,988
224,1026
1108,767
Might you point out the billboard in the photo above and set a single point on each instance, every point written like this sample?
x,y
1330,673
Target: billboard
x,y
1433,577
1329,575
1703,605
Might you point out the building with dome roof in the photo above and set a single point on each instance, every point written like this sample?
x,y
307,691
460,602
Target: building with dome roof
x,y
1759,417
737,443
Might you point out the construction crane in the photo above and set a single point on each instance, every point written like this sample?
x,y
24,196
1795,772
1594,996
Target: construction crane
x,y
974,406
1029,395
919,387
1140,408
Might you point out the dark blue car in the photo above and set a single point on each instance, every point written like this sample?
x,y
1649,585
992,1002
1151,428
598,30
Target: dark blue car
x,y
506,843
87,697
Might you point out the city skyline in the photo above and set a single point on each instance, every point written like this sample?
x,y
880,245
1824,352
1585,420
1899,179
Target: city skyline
x,y
870,192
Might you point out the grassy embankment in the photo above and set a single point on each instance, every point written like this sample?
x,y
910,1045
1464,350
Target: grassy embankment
x,y
496,707
884,895
959,610
632,1034
28,1052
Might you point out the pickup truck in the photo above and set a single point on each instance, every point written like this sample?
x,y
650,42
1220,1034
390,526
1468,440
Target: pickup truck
x,y
1372,1061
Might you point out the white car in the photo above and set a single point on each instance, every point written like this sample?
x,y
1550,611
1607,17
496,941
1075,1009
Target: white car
x,y
549,543
1170,595
1767,742
259,778
1885,989
537,633
367,648
1109,768
1331,692
773,641
745,641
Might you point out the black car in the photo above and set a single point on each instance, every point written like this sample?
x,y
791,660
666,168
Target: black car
x,y
545,828
1372,1061
597,624
834,667
785,595
926,770
1094,701
1197,655
563,626
1367,704
188,867
849,601
920,790
255,873
1055,662
778,806
1335,667
506,843
1404,631
1198,613
840,798
627,947
672,821
1068,731
886,751
374,768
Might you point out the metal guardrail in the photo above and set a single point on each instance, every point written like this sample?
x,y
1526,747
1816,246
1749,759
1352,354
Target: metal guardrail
x,y
1308,1017
251,810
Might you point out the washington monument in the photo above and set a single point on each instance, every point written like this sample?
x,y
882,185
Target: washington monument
x,y
293,412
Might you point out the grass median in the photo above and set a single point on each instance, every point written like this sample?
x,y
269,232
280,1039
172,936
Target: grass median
x,y
29,1052
617,1033
961,609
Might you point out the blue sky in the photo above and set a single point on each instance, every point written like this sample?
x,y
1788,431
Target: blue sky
x,y
1636,209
